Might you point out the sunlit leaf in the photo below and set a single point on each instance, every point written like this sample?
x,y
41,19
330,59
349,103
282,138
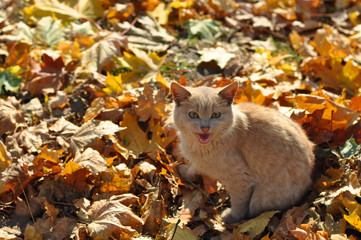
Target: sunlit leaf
x,y
205,29
88,9
5,160
350,149
256,225
50,31
114,84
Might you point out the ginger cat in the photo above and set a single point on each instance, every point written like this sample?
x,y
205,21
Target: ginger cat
x,y
263,158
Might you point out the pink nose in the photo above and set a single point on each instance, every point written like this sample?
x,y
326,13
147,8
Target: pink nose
x,y
205,129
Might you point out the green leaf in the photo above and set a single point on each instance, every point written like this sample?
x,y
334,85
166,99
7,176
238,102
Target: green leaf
x,y
205,29
9,82
350,149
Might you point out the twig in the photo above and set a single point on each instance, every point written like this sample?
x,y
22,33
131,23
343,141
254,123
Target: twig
x,y
131,25
175,229
27,202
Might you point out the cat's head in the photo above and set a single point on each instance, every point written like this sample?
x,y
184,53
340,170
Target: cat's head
x,y
203,113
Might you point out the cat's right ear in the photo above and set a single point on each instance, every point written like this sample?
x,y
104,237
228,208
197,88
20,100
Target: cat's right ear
x,y
228,92
179,93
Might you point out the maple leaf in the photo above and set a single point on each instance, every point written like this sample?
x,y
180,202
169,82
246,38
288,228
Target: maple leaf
x,y
5,160
151,36
219,54
88,9
161,13
49,31
136,141
49,76
31,139
206,28
108,45
256,225
11,114
114,84
92,160
109,217
152,104
90,131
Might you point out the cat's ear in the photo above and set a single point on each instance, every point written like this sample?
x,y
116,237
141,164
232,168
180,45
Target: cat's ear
x,y
228,92
179,92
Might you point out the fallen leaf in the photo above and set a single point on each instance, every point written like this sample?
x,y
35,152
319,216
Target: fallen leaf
x,y
114,84
90,131
5,160
219,54
107,46
49,76
92,160
31,138
205,28
11,114
152,104
87,9
151,36
109,217
255,226
9,82
49,31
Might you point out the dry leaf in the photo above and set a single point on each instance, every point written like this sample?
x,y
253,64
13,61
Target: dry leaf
x,y
110,217
11,114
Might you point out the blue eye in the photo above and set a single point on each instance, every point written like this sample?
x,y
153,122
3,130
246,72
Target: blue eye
x,y
193,115
216,115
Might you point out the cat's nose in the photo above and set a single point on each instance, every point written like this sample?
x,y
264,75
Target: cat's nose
x,y
205,129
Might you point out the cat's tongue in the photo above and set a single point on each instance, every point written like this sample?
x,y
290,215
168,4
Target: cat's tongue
x,y
204,138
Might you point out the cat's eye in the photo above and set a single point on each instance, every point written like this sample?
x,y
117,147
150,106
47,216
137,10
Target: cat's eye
x,y
216,115
193,115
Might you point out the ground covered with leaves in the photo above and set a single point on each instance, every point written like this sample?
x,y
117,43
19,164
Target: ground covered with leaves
x,y
84,95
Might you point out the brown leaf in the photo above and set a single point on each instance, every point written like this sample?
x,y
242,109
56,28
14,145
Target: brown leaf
x,y
108,45
17,177
31,138
49,76
110,218
90,131
63,228
92,160
11,114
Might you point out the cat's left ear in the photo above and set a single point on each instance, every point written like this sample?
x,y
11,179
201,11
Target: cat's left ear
x,y
179,92
228,92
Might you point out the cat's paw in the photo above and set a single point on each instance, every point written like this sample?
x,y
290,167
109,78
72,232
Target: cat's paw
x,y
228,218
187,173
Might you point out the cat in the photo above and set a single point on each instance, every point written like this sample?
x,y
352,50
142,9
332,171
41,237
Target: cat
x,y
263,158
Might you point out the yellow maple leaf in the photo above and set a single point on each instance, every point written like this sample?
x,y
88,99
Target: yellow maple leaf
x,y
151,104
133,138
5,160
71,167
136,141
117,184
114,84
354,219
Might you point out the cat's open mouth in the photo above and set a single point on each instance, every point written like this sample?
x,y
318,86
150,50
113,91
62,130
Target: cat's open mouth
x,y
203,138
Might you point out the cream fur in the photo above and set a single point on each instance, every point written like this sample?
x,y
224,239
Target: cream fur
x,y
263,158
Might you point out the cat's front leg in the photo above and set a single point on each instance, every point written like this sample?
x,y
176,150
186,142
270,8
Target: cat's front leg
x,y
188,173
240,198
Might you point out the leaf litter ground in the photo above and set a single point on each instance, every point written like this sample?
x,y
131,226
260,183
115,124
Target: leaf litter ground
x,y
85,151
